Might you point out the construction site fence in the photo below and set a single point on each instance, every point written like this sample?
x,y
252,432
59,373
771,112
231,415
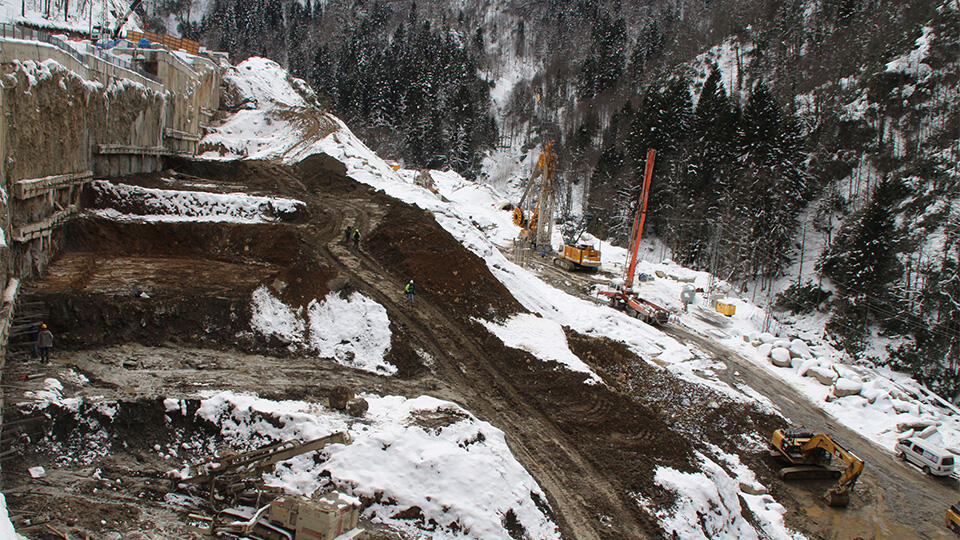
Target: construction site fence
x,y
11,31
172,43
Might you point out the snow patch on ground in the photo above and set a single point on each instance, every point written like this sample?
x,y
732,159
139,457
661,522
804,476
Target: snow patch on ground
x,y
911,62
354,331
6,528
421,452
163,205
708,505
541,337
271,317
260,79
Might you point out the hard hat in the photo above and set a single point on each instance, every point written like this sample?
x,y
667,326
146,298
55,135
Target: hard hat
x,y
43,326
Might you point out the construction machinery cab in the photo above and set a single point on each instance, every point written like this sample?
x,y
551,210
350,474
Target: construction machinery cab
x,y
577,255
953,518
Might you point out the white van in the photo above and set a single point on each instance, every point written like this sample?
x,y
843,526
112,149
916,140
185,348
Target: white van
x,y
929,457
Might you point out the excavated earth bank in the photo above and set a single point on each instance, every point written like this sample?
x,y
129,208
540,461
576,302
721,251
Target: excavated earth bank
x,y
153,310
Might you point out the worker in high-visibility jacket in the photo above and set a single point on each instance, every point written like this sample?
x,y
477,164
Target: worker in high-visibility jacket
x,y
409,290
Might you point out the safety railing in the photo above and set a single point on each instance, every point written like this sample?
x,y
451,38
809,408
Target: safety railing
x,y
11,31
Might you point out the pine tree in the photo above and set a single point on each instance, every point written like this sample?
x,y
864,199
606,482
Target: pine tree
x,y
862,264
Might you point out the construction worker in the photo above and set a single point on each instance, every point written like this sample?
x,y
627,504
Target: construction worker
x,y
356,237
346,234
409,290
44,343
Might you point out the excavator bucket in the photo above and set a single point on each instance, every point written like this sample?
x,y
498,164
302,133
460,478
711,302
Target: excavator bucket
x,y
838,498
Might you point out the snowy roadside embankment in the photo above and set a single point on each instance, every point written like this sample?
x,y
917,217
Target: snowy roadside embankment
x,y
709,505
122,202
354,331
421,453
882,405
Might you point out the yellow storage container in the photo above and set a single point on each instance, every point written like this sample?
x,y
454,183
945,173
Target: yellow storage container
x,y
726,309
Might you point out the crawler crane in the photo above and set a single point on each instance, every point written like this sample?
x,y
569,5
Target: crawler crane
x,y
624,297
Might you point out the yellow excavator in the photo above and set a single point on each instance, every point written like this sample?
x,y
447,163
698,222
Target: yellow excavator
x,y
953,518
808,455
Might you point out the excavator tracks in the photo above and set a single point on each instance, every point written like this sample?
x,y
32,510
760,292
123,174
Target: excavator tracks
x,y
808,472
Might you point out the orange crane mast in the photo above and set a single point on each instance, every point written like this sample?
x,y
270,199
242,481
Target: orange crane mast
x,y
625,298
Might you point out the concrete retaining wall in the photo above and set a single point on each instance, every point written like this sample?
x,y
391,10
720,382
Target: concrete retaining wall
x,y
69,113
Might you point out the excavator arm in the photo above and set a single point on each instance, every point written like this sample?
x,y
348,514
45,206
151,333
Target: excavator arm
x,y
839,494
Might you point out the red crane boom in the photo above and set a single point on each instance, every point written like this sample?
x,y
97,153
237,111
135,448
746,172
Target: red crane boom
x,y
637,232
624,298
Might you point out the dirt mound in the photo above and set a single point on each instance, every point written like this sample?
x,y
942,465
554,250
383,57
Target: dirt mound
x,y
410,244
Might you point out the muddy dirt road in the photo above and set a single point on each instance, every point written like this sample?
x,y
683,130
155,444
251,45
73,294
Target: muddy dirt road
x,y
892,499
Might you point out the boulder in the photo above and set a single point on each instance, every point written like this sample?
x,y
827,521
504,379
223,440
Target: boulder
x,y
755,488
806,366
782,343
927,431
823,375
902,406
766,337
764,350
826,376
339,396
914,426
357,407
800,349
780,357
873,394
846,387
